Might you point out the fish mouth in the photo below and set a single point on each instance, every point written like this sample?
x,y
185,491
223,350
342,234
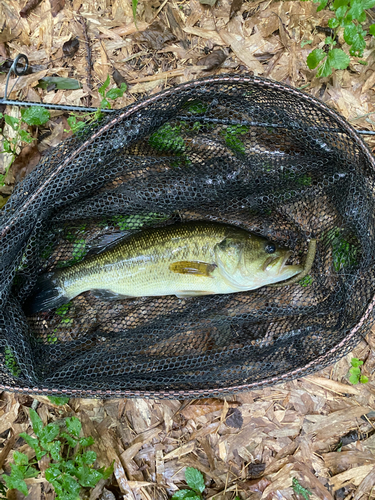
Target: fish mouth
x,y
284,260
277,262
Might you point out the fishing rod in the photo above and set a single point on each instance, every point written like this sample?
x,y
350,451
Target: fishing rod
x,y
20,66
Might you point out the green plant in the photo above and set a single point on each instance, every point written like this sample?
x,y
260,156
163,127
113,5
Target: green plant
x,y
35,115
195,481
134,8
89,118
355,372
300,490
68,471
306,281
344,252
59,400
349,16
168,138
125,222
231,136
11,362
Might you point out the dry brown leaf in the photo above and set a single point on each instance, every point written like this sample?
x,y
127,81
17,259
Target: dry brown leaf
x,y
332,385
7,447
3,50
366,485
369,83
25,162
235,7
211,35
156,35
181,451
70,47
118,78
243,50
8,418
30,5
354,476
213,60
56,6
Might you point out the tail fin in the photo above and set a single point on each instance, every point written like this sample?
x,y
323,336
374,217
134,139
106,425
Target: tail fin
x,y
48,294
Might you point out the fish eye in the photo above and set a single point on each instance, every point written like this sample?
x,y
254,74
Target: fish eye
x,y
270,248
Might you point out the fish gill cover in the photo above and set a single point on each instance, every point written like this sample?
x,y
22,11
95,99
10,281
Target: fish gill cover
x,y
233,149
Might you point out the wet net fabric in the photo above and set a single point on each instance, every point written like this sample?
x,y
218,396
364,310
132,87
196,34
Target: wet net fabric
x,y
238,150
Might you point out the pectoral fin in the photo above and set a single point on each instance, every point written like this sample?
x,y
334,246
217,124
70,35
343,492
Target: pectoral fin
x,y
190,267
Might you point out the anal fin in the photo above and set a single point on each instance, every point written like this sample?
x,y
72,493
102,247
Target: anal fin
x,y
183,294
108,295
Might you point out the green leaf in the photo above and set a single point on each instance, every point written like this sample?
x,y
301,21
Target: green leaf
x,y
103,88
355,362
88,457
71,441
54,449
105,104
16,484
134,8
48,434
25,136
168,138
115,93
340,13
314,58
20,458
30,472
62,400
362,18
194,479
185,494
368,4
328,40
339,3
36,422
356,8
338,59
324,69
70,485
12,121
305,42
354,379
372,29
34,444
350,32
300,490
87,477
107,473
355,371
333,23
358,46
52,472
60,83
363,379
35,115
73,425
322,5
86,441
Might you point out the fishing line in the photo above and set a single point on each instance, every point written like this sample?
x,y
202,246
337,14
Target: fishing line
x,y
20,71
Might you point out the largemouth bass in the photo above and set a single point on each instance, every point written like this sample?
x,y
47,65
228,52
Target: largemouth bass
x,y
188,259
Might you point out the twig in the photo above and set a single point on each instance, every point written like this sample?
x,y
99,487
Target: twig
x,y
88,53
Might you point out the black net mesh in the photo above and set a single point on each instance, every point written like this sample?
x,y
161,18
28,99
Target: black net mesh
x,y
240,150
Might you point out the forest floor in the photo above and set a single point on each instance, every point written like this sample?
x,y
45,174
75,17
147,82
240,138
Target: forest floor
x,y
319,429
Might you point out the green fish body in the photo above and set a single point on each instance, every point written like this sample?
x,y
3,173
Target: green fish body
x,y
189,259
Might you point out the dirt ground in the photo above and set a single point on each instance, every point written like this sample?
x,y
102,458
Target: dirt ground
x,y
320,429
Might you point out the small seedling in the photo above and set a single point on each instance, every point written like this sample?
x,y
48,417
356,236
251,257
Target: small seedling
x,y
11,362
300,490
231,136
195,481
306,281
349,17
33,116
89,118
70,466
59,400
355,372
